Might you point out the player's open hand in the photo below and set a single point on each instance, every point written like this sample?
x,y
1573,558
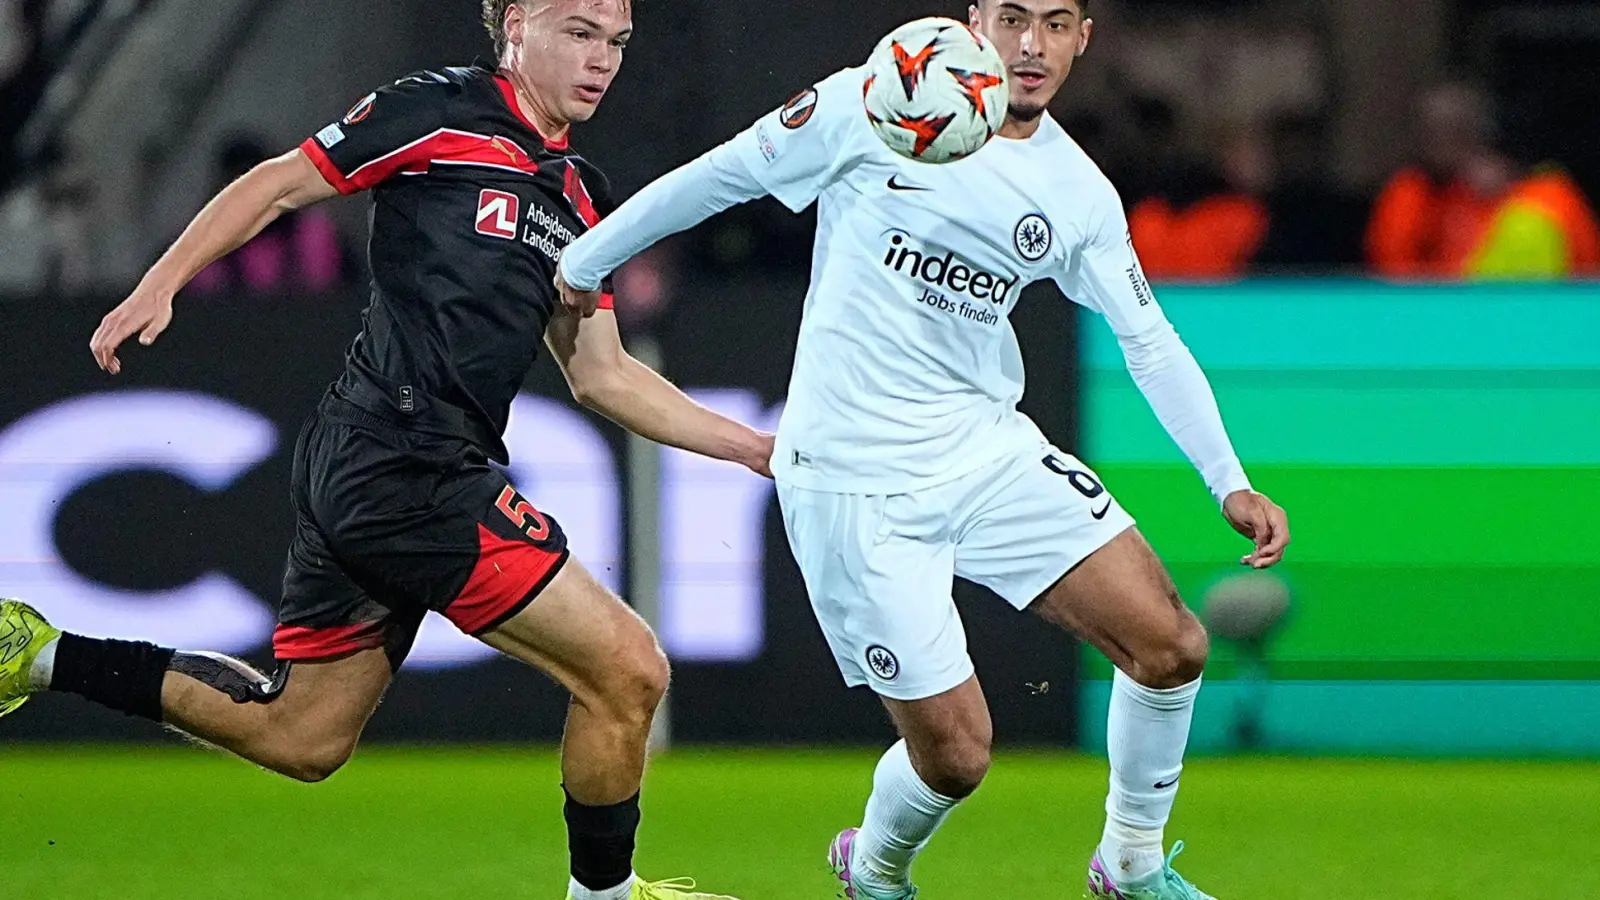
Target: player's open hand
x,y
1262,521
584,303
147,312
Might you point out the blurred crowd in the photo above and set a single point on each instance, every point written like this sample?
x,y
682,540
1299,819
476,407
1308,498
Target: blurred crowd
x,y
1260,200
301,250
1224,201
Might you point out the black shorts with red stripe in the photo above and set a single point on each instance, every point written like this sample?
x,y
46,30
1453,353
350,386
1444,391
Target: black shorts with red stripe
x,y
392,523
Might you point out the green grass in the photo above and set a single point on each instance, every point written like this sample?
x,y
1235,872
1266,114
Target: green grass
x,y
479,824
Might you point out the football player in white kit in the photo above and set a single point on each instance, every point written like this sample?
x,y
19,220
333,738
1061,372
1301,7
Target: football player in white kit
x,y
901,457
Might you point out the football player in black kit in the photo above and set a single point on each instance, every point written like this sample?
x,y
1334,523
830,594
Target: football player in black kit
x,y
475,191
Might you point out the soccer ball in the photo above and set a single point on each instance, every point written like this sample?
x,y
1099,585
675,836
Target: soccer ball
x,y
936,90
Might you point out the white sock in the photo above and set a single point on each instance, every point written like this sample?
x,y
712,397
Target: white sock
x,y
1146,733
902,815
44,667
620,892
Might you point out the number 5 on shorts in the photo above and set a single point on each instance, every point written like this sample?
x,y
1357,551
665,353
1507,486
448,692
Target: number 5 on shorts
x,y
521,511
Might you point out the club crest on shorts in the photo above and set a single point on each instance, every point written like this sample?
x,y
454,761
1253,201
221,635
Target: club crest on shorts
x,y
883,663
1032,237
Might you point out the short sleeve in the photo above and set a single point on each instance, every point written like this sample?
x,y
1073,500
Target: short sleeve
x,y
589,192
800,148
384,134
1105,275
605,204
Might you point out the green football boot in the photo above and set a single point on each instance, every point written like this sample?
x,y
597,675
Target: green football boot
x,y
23,633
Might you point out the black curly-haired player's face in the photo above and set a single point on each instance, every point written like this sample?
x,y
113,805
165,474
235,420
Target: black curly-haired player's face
x,y
1038,39
568,51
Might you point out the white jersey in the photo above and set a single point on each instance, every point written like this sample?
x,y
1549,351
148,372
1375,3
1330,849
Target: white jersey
x,y
907,374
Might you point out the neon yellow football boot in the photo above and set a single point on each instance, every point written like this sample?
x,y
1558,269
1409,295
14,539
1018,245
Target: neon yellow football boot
x,y
671,889
23,633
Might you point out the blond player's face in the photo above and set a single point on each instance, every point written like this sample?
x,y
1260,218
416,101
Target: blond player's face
x,y
1038,39
570,50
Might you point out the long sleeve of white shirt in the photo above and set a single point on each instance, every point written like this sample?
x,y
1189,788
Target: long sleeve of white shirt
x,y
1107,277
1181,397
678,201
775,156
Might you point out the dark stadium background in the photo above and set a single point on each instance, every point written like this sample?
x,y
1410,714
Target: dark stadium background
x,y
1425,723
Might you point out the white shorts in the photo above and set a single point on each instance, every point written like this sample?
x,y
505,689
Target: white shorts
x,y
879,567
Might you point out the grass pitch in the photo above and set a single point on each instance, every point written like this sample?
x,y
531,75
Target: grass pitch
x,y
478,824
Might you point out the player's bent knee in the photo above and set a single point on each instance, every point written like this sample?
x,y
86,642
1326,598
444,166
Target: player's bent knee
x,y
1190,649
955,768
305,750
636,678
312,763
648,674
1178,658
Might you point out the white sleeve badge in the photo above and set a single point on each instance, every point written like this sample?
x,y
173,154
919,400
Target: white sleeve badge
x,y
330,136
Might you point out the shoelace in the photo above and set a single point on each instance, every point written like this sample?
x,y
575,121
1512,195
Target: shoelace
x,y
1177,882
674,884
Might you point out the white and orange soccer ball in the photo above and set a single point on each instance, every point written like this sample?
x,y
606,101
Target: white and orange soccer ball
x,y
936,90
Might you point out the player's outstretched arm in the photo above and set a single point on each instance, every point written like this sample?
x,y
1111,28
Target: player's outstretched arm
x,y
1107,278
605,378
233,217
677,201
793,154
1181,396
1179,393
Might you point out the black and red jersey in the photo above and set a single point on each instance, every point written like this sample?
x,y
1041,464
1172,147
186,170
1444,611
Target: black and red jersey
x,y
471,206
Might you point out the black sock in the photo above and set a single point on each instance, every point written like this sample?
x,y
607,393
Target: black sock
x,y
123,675
601,841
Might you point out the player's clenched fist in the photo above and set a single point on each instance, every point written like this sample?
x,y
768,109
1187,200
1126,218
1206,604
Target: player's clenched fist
x,y
1262,521
147,311
760,462
584,303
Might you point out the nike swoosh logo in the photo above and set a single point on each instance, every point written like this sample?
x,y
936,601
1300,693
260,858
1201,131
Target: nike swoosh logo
x,y
1163,786
1101,514
895,185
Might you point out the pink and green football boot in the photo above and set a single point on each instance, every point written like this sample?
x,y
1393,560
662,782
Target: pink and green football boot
x,y
1165,884
839,859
